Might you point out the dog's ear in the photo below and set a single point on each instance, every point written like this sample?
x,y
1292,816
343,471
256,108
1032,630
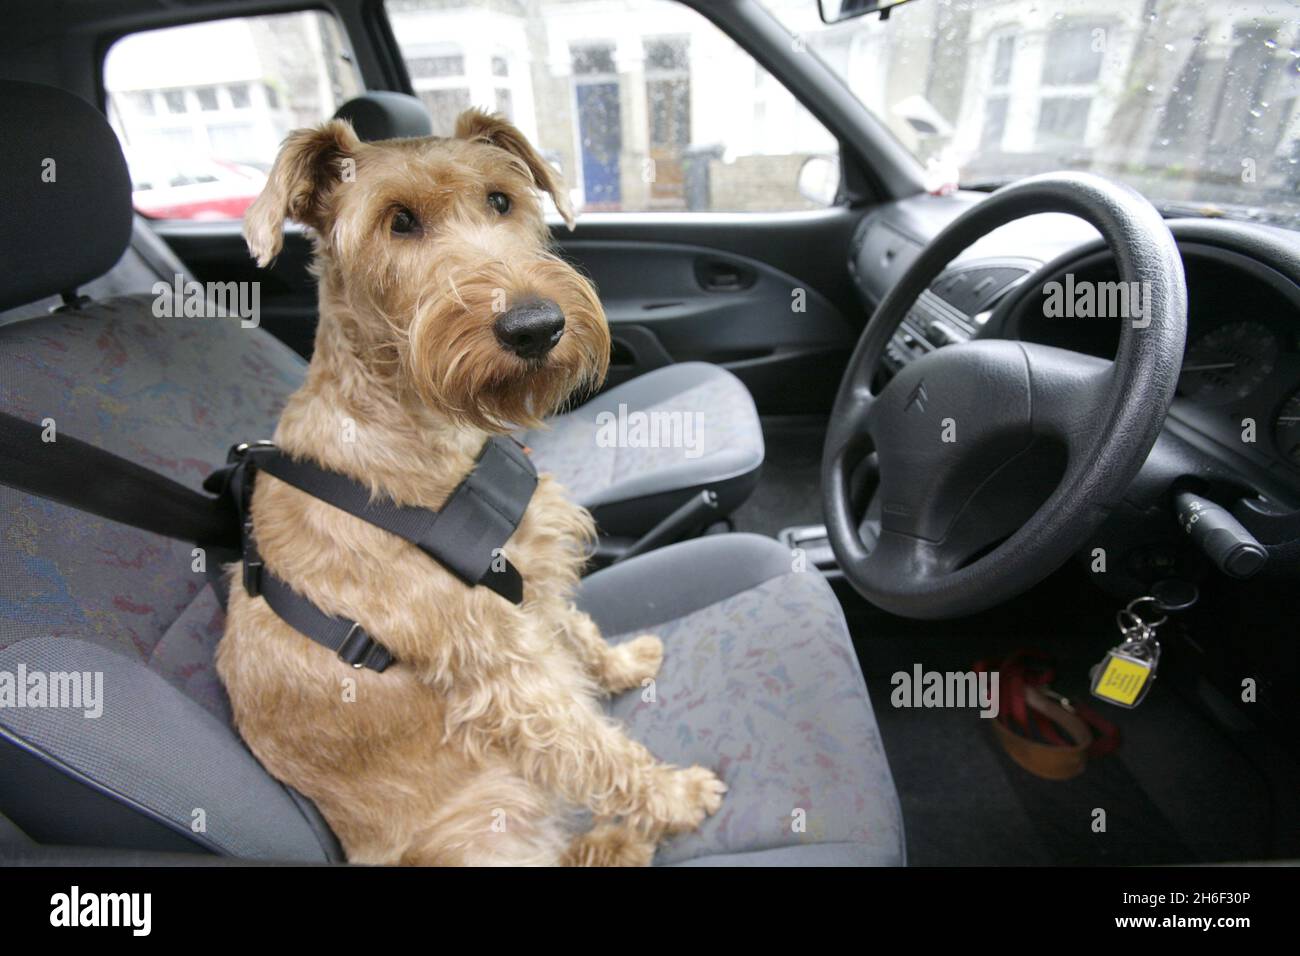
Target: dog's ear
x,y
310,164
475,124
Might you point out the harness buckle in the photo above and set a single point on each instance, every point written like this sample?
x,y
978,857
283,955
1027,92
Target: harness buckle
x,y
241,449
253,577
252,560
356,647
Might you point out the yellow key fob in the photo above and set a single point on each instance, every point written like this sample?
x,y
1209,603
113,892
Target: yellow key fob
x,y
1122,679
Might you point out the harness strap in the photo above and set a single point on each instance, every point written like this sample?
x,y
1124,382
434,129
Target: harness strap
x,y
344,637
1039,729
465,537
347,639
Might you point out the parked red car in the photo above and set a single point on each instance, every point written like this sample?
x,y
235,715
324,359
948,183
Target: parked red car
x,y
211,189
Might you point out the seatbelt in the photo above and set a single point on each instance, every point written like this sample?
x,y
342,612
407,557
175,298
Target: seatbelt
x,y
82,476
465,536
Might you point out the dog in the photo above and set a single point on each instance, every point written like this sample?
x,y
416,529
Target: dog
x,y
485,743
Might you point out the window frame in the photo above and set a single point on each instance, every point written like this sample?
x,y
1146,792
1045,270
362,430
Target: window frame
x,y
1074,92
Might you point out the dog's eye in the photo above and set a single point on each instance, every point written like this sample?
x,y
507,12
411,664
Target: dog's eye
x,y
500,202
404,222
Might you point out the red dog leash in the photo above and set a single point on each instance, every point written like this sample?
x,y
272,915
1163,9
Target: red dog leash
x,y
1044,732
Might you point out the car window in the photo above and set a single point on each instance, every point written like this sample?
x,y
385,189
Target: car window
x,y
640,104
201,109
1194,103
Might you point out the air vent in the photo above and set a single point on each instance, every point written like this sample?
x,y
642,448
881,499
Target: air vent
x,y
971,291
946,313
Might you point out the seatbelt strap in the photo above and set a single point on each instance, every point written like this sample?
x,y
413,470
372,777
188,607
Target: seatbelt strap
x,y
81,476
466,536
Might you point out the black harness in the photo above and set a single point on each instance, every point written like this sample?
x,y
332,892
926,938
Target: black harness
x,y
465,537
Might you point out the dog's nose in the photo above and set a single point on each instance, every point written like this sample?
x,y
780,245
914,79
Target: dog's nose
x,y
530,329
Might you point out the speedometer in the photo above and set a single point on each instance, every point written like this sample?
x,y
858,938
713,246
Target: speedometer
x,y
1286,430
1228,363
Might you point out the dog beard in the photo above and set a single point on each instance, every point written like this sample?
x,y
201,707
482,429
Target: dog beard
x,y
458,366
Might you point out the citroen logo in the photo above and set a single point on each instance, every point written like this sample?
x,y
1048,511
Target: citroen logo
x,y
918,398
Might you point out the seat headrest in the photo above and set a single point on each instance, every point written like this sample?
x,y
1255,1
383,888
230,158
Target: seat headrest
x,y
64,191
384,115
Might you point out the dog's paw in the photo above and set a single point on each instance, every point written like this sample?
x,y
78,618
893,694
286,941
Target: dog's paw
x,y
696,793
629,664
611,845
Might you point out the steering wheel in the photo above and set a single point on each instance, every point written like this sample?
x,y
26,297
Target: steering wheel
x,y
993,461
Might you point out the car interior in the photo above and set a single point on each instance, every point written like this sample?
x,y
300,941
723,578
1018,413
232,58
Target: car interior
x,y
873,299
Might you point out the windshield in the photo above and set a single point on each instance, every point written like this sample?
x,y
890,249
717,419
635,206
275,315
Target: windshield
x,y
1196,103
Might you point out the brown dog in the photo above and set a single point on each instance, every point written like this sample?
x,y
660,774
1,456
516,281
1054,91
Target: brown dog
x,y
481,742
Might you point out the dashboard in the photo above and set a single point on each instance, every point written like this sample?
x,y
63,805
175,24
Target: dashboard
x,y
1240,380
1238,396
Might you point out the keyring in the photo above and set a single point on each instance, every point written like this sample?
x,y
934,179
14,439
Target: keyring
x,y
1146,599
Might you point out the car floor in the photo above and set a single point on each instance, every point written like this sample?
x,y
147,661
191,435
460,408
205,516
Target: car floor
x,y
1184,786
787,493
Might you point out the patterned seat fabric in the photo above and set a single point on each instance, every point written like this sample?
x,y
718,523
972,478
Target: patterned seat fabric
x,y
760,683
172,395
636,452
80,593
759,680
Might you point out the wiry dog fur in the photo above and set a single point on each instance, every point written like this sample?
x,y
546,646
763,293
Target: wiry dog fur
x,y
479,744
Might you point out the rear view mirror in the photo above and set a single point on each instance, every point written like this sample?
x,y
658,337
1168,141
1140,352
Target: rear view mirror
x,y
835,11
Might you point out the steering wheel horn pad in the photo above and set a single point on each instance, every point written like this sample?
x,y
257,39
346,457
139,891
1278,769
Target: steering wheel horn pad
x,y
997,459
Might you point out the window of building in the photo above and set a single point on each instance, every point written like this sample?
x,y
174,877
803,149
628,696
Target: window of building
x,y
1074,55
997,100
444,106
1003,56
1071,71
668,104
426,67
505,103
440,81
